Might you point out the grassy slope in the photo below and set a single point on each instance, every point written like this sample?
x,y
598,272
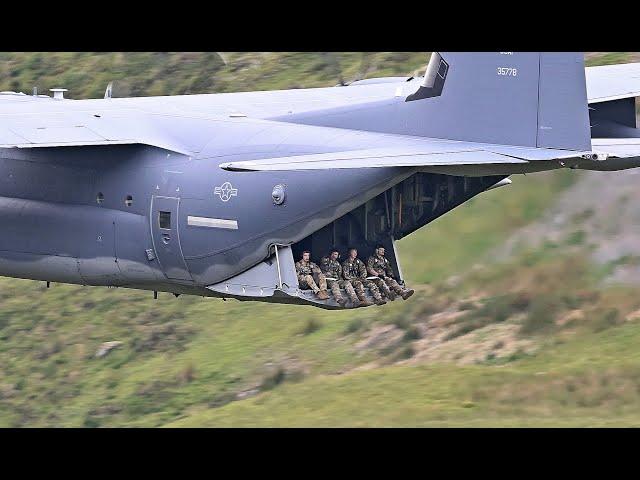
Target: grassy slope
x,y
583,375
183,359
564,385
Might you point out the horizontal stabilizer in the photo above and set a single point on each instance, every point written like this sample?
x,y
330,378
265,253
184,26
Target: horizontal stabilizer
x,y
618,147
430,154
371,159
613,82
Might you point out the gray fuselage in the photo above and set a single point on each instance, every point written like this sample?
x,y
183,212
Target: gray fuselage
x,y
69,220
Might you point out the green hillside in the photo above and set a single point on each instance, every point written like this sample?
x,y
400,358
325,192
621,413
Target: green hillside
x,y
534,337
87,74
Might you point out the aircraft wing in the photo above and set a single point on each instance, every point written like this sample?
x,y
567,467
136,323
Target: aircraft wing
x,y
85,128
613,82
434,153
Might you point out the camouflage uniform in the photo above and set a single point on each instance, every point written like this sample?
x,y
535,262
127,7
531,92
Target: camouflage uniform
x,y
381,265
332,269
308,274
355,273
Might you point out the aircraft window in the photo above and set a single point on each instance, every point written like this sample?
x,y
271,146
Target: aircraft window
x,y
100,198
164,219
128,201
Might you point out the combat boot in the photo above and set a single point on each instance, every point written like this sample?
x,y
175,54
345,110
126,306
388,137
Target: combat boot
x,y
341,301
387,292
322,295
379,300
365,302
407,293
355,303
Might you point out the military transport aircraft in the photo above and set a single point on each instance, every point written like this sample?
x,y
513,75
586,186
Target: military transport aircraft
x,y
217,195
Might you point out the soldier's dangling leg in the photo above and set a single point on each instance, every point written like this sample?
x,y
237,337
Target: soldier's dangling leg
x,y
384,288
350,291
358,288
399,289
321,284
337,294
393,285
306,281
375,292
348,287
321,280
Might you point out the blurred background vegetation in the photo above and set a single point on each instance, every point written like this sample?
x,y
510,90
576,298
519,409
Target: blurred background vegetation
x,y
526,311
86,74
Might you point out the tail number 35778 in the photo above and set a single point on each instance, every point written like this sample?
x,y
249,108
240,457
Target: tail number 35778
x,y
508,71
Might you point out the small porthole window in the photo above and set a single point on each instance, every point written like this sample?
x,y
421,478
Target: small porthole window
x,y
100,198
128,201
164,219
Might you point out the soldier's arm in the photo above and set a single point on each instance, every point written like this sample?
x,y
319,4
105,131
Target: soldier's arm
x,y
370,269
388,271
363,270
315,269
324,265
337,272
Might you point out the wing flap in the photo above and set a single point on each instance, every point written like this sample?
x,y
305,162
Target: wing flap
x,y
71,134
80,129
24,136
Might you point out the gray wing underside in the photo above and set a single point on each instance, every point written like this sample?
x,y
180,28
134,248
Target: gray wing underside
x,y
618,147
613,82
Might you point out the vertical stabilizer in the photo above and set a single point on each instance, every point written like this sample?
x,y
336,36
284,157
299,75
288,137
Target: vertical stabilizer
x,y
563,114
534,99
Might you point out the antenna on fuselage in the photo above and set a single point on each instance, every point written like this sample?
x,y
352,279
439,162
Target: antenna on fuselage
x,y
58,93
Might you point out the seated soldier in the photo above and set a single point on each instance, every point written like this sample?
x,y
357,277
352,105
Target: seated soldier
x,y
332,270
354,273
379,266
306,271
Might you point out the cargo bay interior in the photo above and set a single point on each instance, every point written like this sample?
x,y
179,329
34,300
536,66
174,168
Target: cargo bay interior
x,y
392,215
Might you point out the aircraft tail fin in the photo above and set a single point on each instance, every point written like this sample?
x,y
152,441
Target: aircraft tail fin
x,y
533,99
